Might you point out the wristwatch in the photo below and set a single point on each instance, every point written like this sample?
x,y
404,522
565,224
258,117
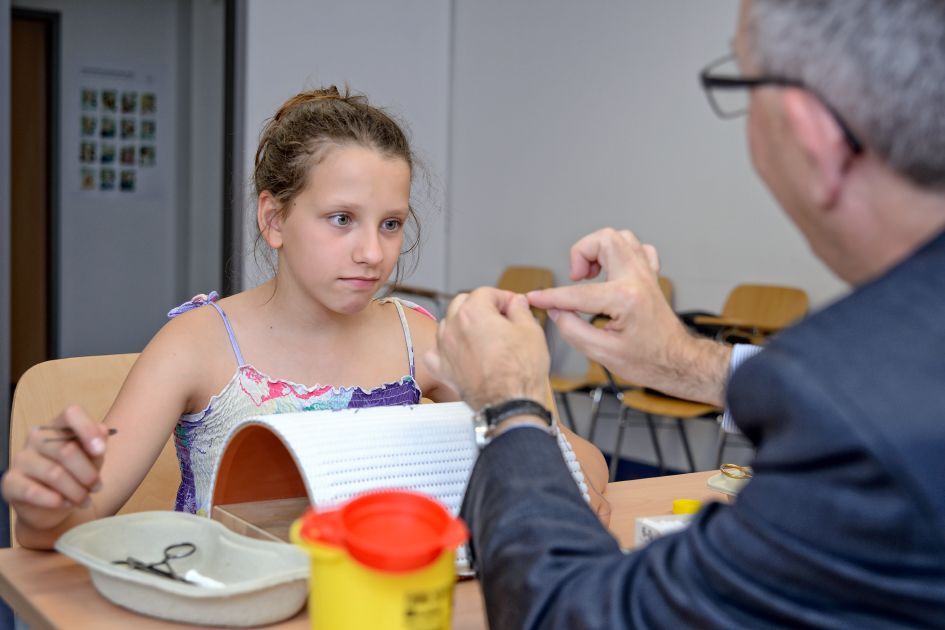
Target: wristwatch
x,y
487,418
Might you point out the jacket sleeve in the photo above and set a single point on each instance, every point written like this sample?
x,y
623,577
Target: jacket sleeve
x,y
545,560
825,535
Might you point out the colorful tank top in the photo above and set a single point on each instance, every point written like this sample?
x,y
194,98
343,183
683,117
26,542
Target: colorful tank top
x,y
199,437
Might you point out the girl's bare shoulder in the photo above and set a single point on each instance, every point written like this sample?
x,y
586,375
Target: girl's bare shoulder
x,y
195,330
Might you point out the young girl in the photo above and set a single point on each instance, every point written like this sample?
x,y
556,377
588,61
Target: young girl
x,y
332,178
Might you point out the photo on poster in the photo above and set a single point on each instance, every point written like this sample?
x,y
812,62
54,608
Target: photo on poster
x,y
127,128
128,180
148,103
108,127
148,129
106,179
89,99
128,155
129,102
87,152
146,155
87,178
108,153
89,125
109,100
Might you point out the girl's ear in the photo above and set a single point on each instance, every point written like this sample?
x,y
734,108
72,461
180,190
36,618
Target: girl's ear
x,y
269,219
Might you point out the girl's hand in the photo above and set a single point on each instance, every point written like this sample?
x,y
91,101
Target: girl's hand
x,y
50,478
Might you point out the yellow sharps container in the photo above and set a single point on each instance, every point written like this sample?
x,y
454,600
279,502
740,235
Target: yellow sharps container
x,y
383,561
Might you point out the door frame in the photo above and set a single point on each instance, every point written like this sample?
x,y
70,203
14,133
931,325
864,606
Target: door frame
x,y
53,236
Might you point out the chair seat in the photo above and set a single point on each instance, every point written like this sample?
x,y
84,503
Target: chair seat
x,y
662,405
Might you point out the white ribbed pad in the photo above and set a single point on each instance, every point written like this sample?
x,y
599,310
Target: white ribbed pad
x,y
427,448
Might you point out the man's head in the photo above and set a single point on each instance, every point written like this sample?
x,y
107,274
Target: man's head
x,y
877,65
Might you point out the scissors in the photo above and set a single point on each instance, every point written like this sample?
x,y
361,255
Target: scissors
x,y
163,568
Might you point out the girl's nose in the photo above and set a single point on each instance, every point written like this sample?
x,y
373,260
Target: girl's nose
x,y
368,249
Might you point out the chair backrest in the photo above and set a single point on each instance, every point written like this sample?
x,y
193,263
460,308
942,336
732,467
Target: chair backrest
x,y
766,305
92,383
525,279
666,285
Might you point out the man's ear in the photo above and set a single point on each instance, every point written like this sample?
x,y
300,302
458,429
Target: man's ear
x,y
822,144
269,219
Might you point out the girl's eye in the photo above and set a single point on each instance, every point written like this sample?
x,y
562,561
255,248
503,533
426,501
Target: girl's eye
x,y
391,225
341,220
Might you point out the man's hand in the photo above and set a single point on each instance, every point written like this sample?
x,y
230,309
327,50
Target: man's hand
x,y
491,349
644,342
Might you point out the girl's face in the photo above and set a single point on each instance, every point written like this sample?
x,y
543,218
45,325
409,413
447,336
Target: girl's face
x,y
342,235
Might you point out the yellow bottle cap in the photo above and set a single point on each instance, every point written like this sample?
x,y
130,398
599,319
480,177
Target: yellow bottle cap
x,y
686,506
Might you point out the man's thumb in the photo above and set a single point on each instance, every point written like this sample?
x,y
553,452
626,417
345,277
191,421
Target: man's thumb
x,y
583,335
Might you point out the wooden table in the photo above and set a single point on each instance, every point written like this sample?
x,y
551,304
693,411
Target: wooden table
x,y
49,590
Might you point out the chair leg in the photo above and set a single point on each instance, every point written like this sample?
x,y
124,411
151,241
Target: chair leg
x,y
568,416
596,395
723,438
685,442
651,425
615,456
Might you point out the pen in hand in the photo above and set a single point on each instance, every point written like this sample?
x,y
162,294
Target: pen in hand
x,y
67,433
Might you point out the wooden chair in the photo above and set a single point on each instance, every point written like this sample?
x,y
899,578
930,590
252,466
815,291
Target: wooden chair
x,y
93,383
651,404
524,279
754,311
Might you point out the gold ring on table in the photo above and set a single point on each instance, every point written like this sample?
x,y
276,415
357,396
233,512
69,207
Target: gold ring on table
x,y
734,471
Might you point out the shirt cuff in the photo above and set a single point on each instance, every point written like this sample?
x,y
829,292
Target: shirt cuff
x,y
741,352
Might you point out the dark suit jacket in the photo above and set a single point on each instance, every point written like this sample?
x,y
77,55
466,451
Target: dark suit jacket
x,y
842,526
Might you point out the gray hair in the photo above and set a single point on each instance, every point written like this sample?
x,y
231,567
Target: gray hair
x,y
879,63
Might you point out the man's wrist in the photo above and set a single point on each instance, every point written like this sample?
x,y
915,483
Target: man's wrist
x,y
697,369
709,369
495,398
492,420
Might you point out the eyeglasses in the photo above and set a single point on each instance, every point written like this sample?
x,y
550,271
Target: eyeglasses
x,y
728,93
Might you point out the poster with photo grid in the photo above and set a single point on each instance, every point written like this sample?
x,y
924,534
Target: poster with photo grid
x,y
117,147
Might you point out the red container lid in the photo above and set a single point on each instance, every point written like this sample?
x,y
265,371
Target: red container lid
x,y
389,530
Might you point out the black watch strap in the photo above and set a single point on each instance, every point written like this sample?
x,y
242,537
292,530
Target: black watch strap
x,y
494,414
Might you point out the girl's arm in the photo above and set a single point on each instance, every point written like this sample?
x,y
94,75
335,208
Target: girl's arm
x,y
55,486
423,333
595,472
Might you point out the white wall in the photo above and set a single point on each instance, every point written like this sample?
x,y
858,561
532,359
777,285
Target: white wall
x,y
568,117
572,116
125,260
117,266
396,52
202,223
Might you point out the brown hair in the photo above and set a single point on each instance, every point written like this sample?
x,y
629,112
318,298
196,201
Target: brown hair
x,y
307,126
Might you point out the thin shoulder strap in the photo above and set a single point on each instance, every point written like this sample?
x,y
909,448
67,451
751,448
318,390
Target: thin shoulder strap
x,y
229,331
407,339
